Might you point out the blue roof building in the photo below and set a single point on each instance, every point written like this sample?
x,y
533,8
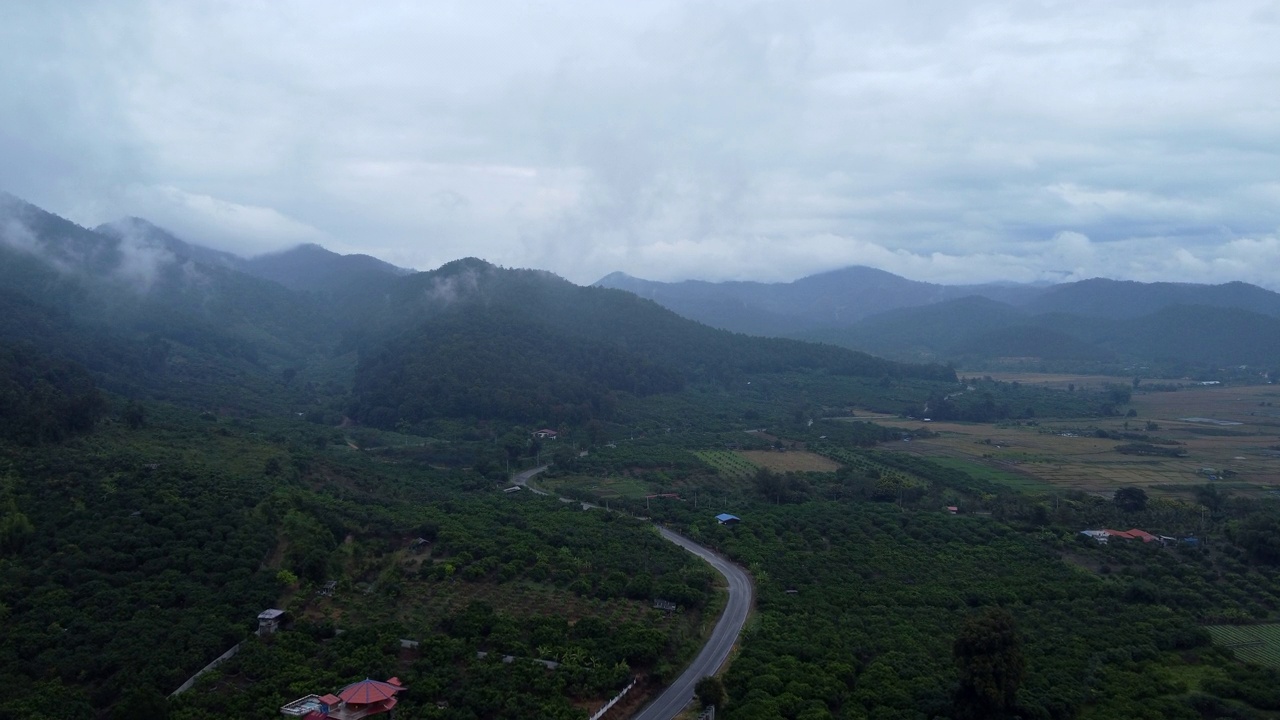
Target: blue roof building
x,y
727,519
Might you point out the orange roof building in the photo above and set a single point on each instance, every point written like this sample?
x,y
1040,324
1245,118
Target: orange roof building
x,y
357,700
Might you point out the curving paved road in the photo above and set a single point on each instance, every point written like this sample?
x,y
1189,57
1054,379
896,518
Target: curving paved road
x,y
522,479
674,699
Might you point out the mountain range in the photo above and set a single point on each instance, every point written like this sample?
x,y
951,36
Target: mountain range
x,y
150,315
1082,324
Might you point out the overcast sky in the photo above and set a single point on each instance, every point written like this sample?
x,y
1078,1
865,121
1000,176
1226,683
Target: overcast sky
x,y
944,141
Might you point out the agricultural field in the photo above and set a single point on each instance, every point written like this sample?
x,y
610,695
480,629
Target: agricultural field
x,y
1066,452
1025,483
1061,381
606,488
860,462
1251,643
729,464
792,461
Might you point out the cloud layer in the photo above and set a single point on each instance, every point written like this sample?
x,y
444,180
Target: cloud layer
x,y
953,142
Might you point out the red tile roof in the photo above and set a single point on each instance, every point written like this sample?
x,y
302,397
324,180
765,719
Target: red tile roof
x,y
367,692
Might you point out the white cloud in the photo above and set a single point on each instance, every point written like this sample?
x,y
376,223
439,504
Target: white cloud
x,y
992,140
241,228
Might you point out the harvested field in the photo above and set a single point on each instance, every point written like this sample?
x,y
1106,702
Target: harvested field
x,y
1060,381
1067,453
791,461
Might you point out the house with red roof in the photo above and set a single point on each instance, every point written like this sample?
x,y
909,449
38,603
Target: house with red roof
x,y
1131,534
357,700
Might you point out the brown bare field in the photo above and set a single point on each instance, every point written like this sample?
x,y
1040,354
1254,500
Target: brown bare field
x,y
1063,452
791,461
1060,381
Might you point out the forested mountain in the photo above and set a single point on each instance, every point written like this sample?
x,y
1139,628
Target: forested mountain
x,y
148,313
472,339
1126,299
144,309
311,267
1087,322
975,330
831,299
305,267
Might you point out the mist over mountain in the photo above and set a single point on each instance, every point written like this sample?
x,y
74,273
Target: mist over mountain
x,y
468,339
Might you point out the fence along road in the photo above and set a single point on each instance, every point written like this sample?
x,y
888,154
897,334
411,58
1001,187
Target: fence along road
x,y
677,696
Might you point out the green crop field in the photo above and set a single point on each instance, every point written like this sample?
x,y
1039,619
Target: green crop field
x,y
982,472
727,463
859,461
1258,644
604,488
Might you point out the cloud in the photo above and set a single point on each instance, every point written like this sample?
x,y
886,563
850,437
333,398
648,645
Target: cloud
x,y
949,141
241,228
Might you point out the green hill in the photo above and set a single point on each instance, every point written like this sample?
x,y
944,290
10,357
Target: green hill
x,y
475,340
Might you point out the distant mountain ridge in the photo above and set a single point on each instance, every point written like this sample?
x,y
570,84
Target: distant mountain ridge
x,y
1096,320
830,299
304,267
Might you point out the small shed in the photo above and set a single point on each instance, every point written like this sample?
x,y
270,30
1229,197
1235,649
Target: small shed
x,y
727,519
269,621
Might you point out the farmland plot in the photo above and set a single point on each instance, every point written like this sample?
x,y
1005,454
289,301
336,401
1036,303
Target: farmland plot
x,y
1258,644
791,461
728,464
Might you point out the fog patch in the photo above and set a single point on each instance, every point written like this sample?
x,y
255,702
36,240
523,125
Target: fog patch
x,y
142,260
449,290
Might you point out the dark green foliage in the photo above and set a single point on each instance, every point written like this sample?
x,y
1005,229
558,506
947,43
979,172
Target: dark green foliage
x,y
44,399
491,365
1131,499
880,595
1150,449
710,691
1259,535
988,654
138,566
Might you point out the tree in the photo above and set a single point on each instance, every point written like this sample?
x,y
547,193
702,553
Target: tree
x,y
1131,499
1212,497
1260,536
710,691
988,654
134,415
